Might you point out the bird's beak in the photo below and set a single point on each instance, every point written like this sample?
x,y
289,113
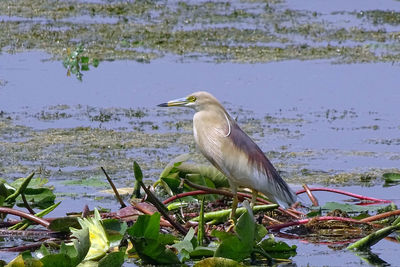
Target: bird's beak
x,y
175,103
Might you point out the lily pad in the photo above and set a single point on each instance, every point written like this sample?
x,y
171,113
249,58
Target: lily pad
x,y
391,178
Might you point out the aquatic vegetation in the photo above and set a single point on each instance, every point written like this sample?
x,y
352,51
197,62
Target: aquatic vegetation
x,y
99,243
108,241
75,62
253,31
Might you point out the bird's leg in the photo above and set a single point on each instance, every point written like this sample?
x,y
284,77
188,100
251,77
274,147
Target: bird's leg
x,y
232,217
234,206
253,197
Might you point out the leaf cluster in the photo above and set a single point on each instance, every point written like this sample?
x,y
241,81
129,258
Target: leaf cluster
x,y
249,240
75,62
27,192
203,175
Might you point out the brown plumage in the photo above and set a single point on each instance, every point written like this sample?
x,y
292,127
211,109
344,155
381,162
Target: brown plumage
x,y
232,151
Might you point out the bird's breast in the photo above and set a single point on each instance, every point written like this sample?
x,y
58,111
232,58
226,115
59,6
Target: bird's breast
x,y
209,129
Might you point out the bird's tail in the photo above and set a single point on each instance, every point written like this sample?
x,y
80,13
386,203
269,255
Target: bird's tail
x,y
288,199
279,191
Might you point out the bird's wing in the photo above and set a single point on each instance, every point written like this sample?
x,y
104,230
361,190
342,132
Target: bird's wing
x,y
251,165
210,129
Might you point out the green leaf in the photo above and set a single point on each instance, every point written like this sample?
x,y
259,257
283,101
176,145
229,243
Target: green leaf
x,y
137,171
84,60
245,229
371,239
240,245
4,193
95,62
21,188
148,243
171,185
59,260
200,252
314,213
391,177
63,224
80,248
115,230
42,251
218,261
3,190
185,247
85,67
96,181
25,259
260,232
230,247
115,225
146,226
200,180
41,198
171,166
277,249
207,171
113,259
166,239
99,243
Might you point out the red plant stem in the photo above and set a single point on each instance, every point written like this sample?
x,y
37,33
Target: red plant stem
x,y
31,247
314,201
185,194
304,221
338,191
381,216
25,215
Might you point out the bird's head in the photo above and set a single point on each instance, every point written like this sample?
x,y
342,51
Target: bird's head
x,y
198,101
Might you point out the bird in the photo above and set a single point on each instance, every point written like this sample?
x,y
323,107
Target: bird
x,y
226,146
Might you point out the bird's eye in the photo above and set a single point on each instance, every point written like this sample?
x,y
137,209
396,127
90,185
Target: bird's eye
x,y
191,98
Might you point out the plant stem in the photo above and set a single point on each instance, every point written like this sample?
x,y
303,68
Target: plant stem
x,y
162,209
114,188
381,216
31,211
25,215
338,191
241,196
314,201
